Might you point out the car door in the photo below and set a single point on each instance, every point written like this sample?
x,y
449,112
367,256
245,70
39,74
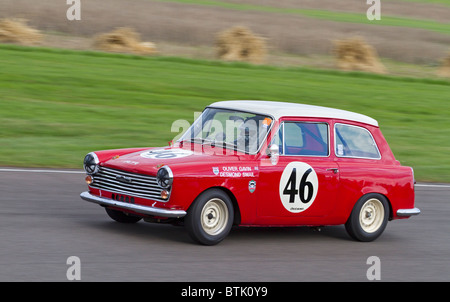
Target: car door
x,y
304,180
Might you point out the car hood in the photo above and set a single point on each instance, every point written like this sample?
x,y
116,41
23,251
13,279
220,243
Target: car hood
x,y
184,160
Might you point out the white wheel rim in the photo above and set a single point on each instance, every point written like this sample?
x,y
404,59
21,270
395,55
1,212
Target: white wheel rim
x,y
214,216
372,215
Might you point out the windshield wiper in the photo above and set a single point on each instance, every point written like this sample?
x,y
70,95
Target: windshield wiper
x,y
224,144
213,143
196,140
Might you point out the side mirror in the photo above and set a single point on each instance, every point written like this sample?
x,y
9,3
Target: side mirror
x,y
273,149
273,152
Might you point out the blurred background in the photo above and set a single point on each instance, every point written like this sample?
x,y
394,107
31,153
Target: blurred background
x,y
121,75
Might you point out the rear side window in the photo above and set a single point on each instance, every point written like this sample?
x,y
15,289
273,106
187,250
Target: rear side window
x,y
354,141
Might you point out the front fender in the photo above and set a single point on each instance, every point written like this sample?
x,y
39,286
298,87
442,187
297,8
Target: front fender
x,y
186,189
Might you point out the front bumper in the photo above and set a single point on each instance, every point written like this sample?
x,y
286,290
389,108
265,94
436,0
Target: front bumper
x,y
408,212
147,210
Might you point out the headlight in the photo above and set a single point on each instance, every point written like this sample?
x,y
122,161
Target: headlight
x,y
90,163
164,177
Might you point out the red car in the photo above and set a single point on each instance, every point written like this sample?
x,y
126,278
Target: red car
x,y
257,163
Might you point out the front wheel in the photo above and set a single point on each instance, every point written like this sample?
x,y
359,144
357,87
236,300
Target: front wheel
x,y
368,218
210,218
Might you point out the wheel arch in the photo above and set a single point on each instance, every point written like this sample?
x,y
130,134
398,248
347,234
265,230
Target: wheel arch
x,y
391,214
237,212
368,228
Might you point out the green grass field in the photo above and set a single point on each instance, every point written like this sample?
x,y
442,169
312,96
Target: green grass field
x,y
57,105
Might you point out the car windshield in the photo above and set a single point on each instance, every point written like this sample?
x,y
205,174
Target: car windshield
x,y
231,129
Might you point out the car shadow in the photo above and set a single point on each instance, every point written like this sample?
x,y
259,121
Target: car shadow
x,y
173,233
145,231
290,233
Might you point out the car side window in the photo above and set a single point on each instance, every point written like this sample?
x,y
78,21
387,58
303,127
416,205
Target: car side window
x,y
302,139
354,141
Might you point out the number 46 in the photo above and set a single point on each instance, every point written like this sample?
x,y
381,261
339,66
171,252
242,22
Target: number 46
x,y
291,190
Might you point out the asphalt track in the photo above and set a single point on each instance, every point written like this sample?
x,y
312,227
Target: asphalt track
x,y
43,222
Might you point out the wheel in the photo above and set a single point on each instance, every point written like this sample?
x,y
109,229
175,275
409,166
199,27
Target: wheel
x,y
210,218
369,218
121,216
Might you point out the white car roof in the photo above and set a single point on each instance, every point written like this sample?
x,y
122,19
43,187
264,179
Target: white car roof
x,y
280,109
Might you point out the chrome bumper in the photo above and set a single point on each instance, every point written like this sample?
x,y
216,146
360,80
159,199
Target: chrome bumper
x,y
408,212
132,207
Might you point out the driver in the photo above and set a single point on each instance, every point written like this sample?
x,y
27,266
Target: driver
x,y
248,136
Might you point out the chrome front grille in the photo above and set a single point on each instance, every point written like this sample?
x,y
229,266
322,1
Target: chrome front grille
x,y
127,183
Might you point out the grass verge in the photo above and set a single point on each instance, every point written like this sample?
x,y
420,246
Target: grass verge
x,y
57,105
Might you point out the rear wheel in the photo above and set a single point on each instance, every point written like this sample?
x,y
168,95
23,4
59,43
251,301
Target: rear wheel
x,y
368,218
210,218
121,216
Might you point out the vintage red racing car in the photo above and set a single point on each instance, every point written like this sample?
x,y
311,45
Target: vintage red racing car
x,y
259,163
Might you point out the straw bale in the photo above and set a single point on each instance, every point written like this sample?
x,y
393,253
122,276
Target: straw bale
x,y
444,70
124,40
17,31
240,44
355,54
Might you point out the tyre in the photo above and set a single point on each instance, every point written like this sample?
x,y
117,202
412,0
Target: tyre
x,y
121,216
210,217
369,218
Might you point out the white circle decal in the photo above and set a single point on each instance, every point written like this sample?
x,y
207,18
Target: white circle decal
x,y
298,187
166,154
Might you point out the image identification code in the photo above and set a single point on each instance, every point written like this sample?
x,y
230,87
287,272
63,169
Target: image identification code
x,y
229,291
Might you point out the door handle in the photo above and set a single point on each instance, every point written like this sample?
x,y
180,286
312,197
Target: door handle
x,y
335,170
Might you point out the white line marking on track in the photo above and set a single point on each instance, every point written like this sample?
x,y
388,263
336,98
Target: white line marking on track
x,y
432,185
41,171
